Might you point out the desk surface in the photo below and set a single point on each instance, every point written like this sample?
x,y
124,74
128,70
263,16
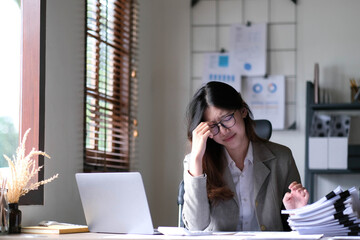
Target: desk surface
x,y
97,236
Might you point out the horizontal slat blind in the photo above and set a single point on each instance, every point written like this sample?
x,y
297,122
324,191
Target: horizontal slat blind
x,y
111,85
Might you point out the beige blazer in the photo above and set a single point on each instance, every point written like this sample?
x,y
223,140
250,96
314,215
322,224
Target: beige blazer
x,y
274,170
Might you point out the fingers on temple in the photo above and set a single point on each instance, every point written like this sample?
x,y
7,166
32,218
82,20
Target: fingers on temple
x,y
201,128
204,130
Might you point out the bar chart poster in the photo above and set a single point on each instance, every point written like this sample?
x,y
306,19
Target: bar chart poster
x,y
217,67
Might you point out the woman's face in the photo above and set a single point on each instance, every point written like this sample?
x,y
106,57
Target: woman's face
x,y
230,137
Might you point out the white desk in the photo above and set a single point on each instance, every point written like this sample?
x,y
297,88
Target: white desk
x,y
97,236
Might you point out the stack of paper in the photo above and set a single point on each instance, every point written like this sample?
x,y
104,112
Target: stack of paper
x,y
336,214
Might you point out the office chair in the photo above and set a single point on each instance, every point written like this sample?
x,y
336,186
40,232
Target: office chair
x,y
263,129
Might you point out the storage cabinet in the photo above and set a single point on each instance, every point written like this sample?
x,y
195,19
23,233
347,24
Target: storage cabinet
x,y
353,150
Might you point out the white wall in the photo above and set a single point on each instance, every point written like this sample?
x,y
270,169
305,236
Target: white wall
x,y
164,93
164,83
328,34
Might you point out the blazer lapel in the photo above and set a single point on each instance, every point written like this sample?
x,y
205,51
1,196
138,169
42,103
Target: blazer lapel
x,y
261,171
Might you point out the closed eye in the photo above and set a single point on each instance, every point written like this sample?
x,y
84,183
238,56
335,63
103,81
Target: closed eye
x,y
213,125
227,118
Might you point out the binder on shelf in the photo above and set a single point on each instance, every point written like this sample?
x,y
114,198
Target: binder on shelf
x,y
338,142
318,159
328,142
318,142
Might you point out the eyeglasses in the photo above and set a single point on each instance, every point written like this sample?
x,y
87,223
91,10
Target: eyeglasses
x,y
227,122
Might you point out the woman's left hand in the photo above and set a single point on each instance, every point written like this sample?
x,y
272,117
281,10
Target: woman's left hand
x,y
297,197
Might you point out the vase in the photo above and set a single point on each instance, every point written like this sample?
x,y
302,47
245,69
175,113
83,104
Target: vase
x,y
14,218
4,212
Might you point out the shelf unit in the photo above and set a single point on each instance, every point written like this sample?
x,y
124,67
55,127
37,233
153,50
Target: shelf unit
x,y
311,108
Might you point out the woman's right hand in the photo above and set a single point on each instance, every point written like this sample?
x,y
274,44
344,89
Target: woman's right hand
x,y
199,137
297,197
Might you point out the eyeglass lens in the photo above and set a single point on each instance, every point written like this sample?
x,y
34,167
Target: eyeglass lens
x,y
227,122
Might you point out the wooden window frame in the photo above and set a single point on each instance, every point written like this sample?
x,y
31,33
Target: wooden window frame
x,y
32,109
110,85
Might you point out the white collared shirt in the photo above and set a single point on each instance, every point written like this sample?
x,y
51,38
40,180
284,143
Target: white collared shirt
x,y
244,186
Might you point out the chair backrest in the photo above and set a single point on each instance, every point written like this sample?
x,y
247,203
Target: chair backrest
x,y
263,129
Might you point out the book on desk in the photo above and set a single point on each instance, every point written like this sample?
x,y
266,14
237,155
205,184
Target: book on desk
x,y
55,229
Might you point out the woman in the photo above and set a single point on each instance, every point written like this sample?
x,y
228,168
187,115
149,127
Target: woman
x,y
234,180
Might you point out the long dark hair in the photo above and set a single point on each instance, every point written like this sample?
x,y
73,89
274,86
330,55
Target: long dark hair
x,y
223,96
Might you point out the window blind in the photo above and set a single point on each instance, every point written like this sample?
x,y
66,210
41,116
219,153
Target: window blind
x,y
111,85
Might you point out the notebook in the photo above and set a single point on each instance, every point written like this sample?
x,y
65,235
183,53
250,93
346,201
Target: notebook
x,y
115,202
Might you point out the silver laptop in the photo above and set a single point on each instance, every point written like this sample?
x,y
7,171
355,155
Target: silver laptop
x,y
115,202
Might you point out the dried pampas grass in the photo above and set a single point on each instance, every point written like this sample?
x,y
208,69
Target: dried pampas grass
x,y
22,170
